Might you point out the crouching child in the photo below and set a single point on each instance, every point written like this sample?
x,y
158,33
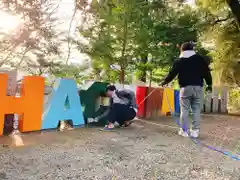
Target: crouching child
x,y
122,108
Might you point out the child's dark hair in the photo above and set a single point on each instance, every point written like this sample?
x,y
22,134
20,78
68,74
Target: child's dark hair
x,y
111,88
187,46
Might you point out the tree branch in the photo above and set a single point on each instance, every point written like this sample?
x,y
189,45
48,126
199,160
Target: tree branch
x,y
69,31
222,20
22,58
16,44
125,31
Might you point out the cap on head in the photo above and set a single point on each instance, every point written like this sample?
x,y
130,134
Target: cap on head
x,y
110,88
187,46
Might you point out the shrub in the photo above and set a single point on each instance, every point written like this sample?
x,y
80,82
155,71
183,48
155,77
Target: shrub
x,y
234,101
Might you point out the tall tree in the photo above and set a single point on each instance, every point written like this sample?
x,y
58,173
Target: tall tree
x,y
166,29
35,45
128,36
112,36
222,31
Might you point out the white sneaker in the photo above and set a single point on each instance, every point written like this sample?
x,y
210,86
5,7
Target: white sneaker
x,y
195,133
62,126
116,124
182,133
110,125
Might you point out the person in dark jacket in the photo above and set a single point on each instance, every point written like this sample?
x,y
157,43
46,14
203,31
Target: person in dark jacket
x,y
191,69
122,108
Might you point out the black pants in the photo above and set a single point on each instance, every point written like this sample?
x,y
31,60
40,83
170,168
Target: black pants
x,y
121,113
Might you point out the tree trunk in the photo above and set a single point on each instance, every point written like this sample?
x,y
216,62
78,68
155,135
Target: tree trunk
x,y
235,8
144,58
143,76
150,79
122,75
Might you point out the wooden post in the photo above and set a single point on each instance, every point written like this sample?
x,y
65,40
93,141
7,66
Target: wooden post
x,y
208,100
150,78
224,99
215,98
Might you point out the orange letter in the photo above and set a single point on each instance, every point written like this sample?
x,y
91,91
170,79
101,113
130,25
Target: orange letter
x,y
29,105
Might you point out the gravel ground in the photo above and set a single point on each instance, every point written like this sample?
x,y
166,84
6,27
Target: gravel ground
x,y
143,151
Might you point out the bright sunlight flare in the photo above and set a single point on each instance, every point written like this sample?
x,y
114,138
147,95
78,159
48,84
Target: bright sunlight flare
x,y
8,22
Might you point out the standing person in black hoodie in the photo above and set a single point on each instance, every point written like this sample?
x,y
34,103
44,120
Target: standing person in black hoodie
x,y
191,69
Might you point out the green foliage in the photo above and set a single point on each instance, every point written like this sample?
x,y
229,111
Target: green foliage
x,y
128,36
34,46
71,71
226,57
112,37
178,27
216,7
159,74
222,31
234,101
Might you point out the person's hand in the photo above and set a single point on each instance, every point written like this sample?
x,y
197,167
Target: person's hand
x,y
209,89
161,84
91,120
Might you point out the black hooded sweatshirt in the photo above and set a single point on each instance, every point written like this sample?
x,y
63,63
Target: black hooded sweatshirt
x,y
191,71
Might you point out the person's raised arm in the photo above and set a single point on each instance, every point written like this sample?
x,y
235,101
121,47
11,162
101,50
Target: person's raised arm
x,y
172,73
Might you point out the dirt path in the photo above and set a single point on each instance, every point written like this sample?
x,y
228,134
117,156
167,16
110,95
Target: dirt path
x,y
143,151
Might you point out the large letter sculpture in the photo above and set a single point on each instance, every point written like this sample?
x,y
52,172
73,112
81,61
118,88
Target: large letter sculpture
x,y
168,100
65,91
29,105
